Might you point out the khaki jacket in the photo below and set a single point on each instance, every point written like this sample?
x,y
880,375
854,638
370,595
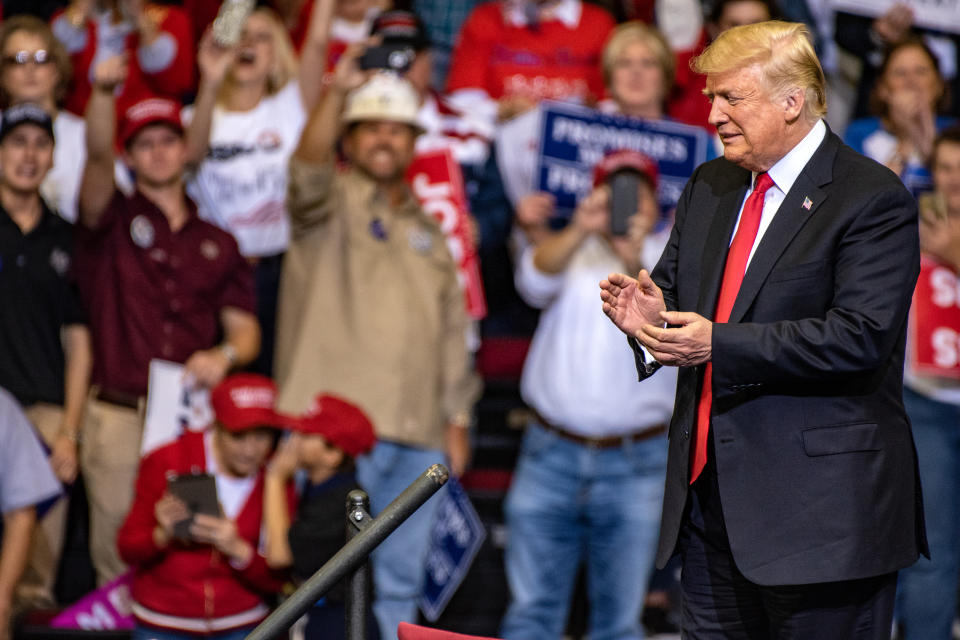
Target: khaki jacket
x,y
370,309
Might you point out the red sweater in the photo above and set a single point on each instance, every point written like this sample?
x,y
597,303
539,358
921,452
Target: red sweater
x,y
552,61
192,587
173,81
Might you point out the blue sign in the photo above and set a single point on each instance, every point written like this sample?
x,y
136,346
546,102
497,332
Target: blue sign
x,y
574,138
455,540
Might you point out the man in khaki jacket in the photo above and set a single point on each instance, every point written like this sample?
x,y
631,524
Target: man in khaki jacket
x,y
370,308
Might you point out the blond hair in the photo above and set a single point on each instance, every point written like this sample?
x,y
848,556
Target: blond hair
x,y
630,32
284,66
784,53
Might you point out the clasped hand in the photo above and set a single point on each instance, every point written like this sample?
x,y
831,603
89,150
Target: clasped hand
x,y
636,307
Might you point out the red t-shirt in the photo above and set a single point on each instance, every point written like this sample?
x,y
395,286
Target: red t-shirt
x,y
551,61
152,293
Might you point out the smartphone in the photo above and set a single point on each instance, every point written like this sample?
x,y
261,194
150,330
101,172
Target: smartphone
x,y
624,190
228,25
199,492
393,57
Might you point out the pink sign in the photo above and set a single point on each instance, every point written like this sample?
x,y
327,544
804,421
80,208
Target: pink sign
x,y
106,608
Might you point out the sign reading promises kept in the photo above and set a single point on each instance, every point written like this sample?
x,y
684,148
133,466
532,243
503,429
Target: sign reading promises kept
x,y
574,138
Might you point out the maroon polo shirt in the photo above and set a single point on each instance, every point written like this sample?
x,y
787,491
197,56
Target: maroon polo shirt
x,y
154,293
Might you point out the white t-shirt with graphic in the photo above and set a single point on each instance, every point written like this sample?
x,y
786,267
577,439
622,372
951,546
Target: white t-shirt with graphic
x,y
241,185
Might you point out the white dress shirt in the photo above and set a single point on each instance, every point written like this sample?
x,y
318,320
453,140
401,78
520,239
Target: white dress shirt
x,y
784,173
579,375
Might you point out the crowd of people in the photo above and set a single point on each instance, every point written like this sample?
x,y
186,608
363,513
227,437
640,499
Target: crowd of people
x,y
246,209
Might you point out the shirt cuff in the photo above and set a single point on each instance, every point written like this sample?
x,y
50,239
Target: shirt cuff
x,y
646,365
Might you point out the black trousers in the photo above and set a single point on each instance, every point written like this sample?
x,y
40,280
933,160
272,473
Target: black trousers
x,y
719,602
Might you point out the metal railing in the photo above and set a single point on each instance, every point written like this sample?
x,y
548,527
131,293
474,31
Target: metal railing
x,y
364,535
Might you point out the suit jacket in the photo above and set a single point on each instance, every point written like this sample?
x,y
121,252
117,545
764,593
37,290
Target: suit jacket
x,y
815,461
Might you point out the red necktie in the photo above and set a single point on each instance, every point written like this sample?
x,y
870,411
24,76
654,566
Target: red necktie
x,y
736,266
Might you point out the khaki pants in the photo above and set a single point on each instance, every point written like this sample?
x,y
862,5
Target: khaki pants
x,y
109,459
35,589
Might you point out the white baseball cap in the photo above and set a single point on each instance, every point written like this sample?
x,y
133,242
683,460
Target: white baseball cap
x,y
385,96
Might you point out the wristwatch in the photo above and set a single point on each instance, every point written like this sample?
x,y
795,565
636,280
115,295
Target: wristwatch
x,y
229,352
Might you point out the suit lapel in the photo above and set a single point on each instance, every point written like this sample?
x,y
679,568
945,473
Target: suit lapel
x,y
799,204
717,244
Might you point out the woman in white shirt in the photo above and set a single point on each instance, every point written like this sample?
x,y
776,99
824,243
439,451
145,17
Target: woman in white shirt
x,y
250,109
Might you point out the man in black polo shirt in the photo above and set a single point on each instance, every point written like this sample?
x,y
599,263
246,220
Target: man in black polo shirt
x,y
44,342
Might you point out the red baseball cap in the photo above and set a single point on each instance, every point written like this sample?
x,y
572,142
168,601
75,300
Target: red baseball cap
x,y
626,159
147,112
341,423
246,401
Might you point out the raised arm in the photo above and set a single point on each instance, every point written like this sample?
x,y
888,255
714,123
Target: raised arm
x,y
276,509
213,61
554,251
313,56
319,138
97,186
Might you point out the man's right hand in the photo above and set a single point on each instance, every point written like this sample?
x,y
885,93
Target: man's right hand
x,y
632,303
111,73
347,74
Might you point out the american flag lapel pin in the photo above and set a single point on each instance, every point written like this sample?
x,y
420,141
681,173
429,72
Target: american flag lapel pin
x,y
807,203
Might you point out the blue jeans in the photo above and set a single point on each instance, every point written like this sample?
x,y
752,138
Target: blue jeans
x,y
927,592
570,504
146,633
398,563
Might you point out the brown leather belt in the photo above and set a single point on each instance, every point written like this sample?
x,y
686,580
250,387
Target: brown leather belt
x,y
118,398
605,442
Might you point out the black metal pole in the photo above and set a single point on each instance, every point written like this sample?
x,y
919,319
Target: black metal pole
x,y
358,590
353,554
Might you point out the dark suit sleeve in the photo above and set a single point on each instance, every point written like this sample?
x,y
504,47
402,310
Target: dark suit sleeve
x,y
874,265
665,275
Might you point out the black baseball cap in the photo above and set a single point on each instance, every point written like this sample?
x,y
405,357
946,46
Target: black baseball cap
x,y
401,27
25,113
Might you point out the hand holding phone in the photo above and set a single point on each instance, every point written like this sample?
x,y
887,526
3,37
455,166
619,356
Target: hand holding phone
x,y
197,492
624,200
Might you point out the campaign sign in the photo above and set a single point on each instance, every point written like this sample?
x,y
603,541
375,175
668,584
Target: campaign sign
x,y
935,321
437,181
456,538
105,609
174,406
574,138
938,15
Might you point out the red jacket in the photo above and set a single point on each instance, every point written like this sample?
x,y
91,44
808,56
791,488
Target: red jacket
x,y
192,587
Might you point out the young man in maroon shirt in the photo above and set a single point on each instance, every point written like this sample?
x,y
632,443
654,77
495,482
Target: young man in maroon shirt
x,y
158,283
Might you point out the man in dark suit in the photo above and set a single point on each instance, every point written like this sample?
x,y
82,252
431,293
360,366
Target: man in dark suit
x,y
782,296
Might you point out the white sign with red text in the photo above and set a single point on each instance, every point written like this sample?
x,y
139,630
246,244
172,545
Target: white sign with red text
x,y
935,321
437,181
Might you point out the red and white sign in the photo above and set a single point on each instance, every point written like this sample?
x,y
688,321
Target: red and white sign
x,y
437,181
935,321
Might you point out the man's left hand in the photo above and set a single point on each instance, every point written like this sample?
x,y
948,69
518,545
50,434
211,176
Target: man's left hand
x,y
685,345
207,367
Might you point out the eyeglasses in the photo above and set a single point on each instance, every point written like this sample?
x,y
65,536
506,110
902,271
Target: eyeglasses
x,y
19,58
